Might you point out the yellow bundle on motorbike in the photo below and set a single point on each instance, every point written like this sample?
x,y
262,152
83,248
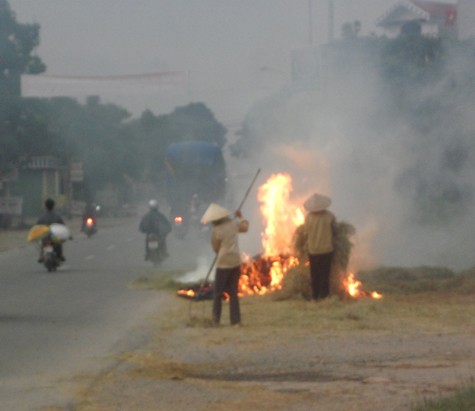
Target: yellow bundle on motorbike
x,y
37,232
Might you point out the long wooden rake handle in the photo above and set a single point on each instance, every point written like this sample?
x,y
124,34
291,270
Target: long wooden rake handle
x,y
198,295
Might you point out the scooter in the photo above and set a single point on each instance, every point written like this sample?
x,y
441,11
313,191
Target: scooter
x,y
89,226
49,240
50,257
180,226
154,251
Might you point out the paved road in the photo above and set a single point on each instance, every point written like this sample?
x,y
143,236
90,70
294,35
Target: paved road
x,y
54,326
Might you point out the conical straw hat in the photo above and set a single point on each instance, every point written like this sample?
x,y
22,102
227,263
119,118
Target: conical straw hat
x,y
37,231
317,202
214,212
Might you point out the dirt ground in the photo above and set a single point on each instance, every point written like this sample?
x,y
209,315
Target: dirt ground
x,y
362,355
382,355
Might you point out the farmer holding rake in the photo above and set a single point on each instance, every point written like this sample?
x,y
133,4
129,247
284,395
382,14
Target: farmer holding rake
x,y
224,240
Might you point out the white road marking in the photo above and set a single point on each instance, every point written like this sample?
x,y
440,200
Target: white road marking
x,y
111,247
90,257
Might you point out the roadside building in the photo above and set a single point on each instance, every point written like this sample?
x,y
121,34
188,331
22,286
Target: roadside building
x,y
428,18
40,178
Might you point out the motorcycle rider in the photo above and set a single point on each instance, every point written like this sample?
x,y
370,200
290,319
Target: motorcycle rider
x,y
89,212
154,222
51,217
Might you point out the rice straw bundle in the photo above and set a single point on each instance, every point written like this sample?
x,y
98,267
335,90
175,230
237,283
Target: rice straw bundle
x,y
342,247
296,282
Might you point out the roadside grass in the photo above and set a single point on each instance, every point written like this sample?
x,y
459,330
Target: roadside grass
x,y
424,299
420,280
10,239
462,401
417,300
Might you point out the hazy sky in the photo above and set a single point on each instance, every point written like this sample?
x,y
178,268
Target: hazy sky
x,y
221,45
221,48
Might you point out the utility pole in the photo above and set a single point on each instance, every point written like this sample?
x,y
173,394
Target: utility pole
x,y
331,21
310,22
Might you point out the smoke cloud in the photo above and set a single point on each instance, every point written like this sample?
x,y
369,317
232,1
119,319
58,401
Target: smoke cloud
x,y
407,192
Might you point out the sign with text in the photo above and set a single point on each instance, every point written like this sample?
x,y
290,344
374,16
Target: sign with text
x,y
11,205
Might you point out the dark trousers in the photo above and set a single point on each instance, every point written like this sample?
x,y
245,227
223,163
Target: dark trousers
x,y
227,280
320,267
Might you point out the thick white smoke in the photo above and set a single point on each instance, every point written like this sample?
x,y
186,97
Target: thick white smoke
x,y
345,141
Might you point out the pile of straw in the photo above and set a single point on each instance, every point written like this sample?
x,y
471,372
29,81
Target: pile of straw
x,y
341,257
296,283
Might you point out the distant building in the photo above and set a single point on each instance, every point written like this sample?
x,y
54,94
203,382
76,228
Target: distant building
x,y
428,18
40,178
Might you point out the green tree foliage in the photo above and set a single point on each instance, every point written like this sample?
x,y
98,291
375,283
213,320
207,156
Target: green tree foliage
x,y
97,135
432,87
113,148
412,61
17,42
25,132
193,122
351,30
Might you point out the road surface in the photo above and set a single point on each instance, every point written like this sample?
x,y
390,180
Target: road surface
x,y
56,326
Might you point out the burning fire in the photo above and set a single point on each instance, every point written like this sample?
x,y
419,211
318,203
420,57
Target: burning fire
x,y
264,273
280,216
355,288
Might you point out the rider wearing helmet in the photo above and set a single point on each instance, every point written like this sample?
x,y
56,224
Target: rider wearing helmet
x,y
154,222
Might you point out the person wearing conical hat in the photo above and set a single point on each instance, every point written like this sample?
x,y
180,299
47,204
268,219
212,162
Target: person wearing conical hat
x,y
224,241
320,228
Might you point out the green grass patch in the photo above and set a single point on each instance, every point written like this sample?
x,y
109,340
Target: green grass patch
x,y
461,401
417,280
155,279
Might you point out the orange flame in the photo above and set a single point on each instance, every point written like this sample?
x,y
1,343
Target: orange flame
x,y
355,288
281,218
187,293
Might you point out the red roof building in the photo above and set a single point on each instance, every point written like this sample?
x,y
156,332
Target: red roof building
x,y
430,17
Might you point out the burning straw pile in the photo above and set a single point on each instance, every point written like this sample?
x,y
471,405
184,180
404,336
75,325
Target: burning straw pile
x,y
282,268
296,283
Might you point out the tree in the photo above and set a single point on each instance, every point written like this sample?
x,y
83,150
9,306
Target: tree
x,y
96,134
350,30
25,132
153,134
17,42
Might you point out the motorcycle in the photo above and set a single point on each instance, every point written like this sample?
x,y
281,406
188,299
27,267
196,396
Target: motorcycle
x,y
50,256
154,250
49,240
89,226
180,226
